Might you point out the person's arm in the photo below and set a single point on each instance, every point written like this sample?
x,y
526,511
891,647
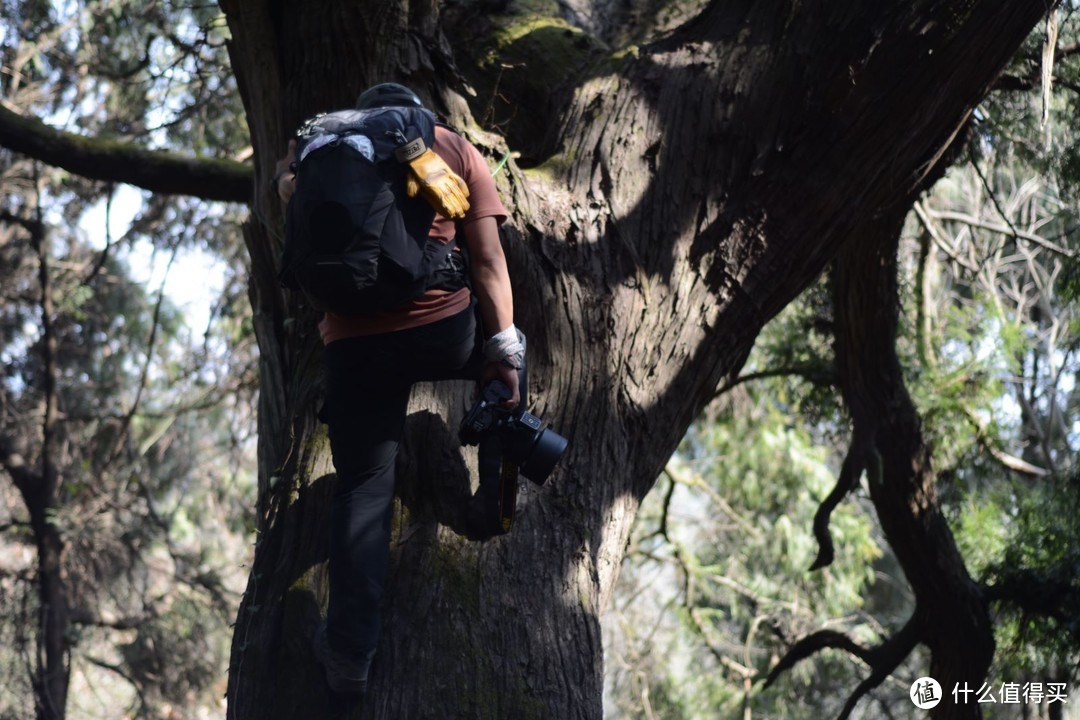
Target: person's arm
x,y
284,177
491,284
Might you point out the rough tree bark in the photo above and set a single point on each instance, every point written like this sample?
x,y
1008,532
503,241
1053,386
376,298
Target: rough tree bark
x,y
684,191
700,182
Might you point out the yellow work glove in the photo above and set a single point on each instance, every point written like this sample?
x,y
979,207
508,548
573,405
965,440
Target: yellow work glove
x,y
431,178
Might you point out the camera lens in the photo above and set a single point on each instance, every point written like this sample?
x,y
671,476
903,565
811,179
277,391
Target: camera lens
x,y
546,451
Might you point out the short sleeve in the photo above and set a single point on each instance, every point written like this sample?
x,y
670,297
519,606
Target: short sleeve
x,y
466,161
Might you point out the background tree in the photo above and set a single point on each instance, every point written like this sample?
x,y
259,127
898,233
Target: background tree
x,y
708,175
121,429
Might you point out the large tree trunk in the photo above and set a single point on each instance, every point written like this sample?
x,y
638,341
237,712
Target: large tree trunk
x,y
701,183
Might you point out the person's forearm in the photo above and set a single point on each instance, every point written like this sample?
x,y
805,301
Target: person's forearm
x,y
490,279
492,286
504,353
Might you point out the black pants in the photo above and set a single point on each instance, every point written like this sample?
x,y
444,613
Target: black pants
x,y
368,381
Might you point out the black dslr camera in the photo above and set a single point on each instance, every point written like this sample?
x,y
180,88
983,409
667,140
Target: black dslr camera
x,y
526,440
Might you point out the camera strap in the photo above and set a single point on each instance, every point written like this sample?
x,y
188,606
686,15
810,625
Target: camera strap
x,y
508,490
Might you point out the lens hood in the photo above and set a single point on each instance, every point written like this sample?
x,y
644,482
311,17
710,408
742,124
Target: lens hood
x,y
546,452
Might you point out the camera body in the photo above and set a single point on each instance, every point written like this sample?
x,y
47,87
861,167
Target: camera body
x,y
526,440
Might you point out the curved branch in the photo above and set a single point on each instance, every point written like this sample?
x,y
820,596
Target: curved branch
x,y
850,471
883,659
814,643
116,161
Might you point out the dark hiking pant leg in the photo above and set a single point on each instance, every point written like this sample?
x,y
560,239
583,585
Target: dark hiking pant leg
x,y
365,449
368,382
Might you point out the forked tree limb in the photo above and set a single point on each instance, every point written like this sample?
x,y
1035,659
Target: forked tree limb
x,y
883,659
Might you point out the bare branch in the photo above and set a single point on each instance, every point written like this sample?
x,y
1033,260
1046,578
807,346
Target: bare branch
x,y
1010,462
935,232
815,373
1053,24
975,222
680,473
145,374
883,659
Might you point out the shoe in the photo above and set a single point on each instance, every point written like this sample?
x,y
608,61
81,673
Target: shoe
x,y
344,676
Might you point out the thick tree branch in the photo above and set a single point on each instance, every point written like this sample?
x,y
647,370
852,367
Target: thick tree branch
x,y
54,643
111,160
883,659
1035,593
951,616
818,374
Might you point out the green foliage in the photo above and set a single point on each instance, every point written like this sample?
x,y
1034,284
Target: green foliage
x,y
730,538
796,350
154,440
1038,572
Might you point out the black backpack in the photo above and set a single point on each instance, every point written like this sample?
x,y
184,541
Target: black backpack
x,y
354,242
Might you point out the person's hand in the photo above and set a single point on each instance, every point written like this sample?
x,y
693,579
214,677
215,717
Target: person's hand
x,y
433,179
285,177
508,376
